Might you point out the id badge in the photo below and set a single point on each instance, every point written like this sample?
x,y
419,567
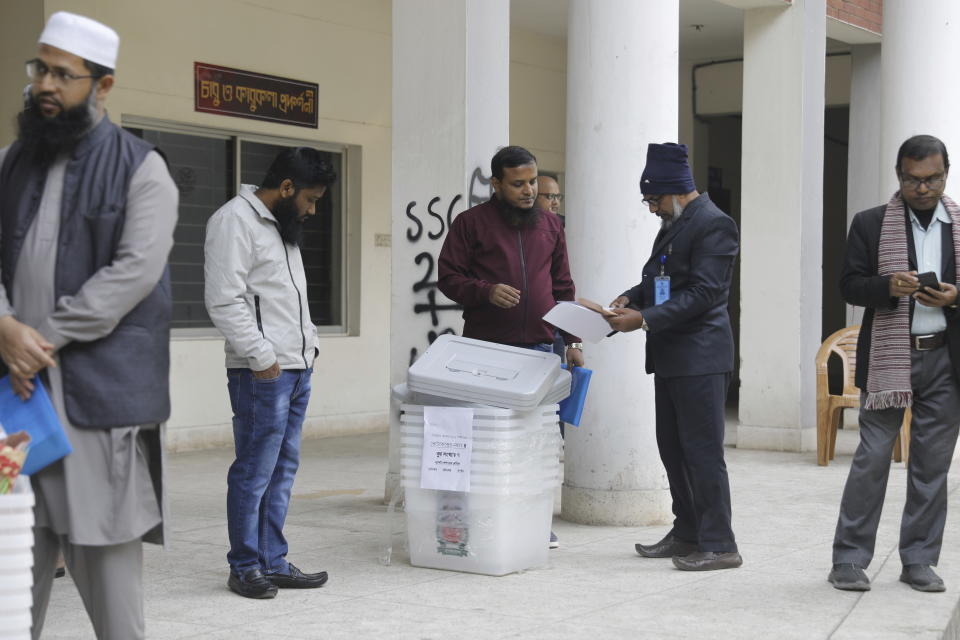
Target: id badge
x,y
661,289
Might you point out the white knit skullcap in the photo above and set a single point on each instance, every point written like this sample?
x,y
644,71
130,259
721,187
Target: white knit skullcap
x,y
82,37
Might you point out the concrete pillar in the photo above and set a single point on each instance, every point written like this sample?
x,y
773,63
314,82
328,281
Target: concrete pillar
x,y
920,60
621,95
781,224
451,75
865,164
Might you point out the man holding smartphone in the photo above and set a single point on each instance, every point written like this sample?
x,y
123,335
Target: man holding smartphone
x,y
902,263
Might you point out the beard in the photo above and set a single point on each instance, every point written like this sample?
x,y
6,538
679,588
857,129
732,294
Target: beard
x,y
667,219
517,217
46,138
291,229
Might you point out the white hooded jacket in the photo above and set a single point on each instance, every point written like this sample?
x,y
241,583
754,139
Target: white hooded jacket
x,y
255,289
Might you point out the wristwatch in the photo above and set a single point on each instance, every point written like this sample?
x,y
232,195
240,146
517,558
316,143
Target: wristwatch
x,y
575,345
644,326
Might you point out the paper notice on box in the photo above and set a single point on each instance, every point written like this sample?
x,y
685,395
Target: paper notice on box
x,y
447,448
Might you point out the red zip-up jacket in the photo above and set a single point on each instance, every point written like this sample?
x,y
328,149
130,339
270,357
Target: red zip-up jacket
x,y
482,250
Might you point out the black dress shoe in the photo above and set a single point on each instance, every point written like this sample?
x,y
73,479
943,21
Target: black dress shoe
x,y
251,584
708,561
666,548
922,578
297,579
849,577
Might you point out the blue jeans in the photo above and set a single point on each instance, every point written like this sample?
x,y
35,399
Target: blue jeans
x,y
267,419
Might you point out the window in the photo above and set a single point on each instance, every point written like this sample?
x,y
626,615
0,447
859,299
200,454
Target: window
x,y
208,168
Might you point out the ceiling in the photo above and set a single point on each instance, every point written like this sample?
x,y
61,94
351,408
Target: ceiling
x,y
709,30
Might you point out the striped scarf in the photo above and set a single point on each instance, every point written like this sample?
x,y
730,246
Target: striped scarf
x,y
888,374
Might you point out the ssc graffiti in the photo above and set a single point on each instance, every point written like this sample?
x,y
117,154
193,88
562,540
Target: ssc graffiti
x,y
435,226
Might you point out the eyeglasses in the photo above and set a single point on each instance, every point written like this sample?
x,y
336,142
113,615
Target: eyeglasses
x,y
933,182
36,70
652,200
556,197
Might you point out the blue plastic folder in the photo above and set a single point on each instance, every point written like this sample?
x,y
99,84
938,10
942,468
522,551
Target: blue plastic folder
x,y
36,416
571,407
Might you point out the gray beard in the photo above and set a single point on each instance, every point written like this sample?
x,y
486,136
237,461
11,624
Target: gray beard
x,y
667,220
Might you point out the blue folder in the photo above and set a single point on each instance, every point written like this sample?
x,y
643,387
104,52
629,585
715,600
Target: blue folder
x,y
571,407
36,416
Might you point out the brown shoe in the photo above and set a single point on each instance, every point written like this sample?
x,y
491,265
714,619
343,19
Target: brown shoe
x,y
666,548
708,561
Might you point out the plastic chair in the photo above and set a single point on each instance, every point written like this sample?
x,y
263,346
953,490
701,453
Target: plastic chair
x,y
843,343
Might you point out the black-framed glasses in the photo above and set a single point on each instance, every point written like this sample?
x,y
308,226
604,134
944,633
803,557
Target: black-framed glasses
x,y
555,197
37,69
652,200
932,182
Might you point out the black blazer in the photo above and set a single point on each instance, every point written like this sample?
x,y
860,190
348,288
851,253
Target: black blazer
x,y
690,334
860,285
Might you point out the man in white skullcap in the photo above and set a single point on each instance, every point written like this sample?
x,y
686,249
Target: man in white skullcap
x,y
87,213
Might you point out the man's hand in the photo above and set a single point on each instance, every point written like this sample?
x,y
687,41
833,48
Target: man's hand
x,y
273,371
619,303
903,283
574,357
626,319
23,349
933,298
23,387
504,296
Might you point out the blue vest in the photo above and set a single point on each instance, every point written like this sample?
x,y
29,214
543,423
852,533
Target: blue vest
x,y
121,379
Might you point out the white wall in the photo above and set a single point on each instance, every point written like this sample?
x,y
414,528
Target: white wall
x,y
720,86
303,39
538,96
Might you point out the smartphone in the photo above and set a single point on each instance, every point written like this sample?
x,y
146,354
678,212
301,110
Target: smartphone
x,y
928,280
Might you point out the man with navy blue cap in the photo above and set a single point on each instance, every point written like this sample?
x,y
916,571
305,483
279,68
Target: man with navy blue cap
x,y
681,304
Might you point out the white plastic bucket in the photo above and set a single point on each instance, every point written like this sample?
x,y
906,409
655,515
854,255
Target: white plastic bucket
x,y
493,535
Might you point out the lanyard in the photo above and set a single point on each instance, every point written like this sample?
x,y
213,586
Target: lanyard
x,y
663,258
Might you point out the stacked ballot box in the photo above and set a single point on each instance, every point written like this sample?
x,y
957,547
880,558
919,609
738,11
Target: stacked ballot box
x,y
501,523
16,561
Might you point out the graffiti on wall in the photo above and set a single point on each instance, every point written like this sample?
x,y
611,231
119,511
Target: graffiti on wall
x,y
428,227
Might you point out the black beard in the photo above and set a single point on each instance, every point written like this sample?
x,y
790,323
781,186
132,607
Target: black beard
x,y
291,229
46,138
517,217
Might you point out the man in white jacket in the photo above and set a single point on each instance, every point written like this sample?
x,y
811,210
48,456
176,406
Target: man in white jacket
x,y
256,294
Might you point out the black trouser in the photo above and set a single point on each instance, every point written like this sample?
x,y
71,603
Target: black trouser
x,y
690,426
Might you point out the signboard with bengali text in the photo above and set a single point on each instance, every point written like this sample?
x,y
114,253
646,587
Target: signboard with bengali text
x,y
245,94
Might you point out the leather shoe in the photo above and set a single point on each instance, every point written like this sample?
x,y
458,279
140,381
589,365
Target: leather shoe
x,y
849,577
708,561
922,578
297,579
251,584
666,548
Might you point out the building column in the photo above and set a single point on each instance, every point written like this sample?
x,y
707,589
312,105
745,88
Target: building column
x,y
451,89
621,95
781,224
865,164
920,61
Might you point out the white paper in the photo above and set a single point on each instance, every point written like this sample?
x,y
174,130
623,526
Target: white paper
x,y
447,448
578,320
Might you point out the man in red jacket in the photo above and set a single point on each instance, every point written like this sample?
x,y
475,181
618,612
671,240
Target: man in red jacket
x,y
505,261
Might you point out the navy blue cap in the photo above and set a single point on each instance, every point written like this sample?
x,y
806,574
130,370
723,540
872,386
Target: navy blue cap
x,y
667,170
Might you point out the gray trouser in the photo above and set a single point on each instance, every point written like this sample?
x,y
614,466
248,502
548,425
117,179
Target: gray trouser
x,y
933,436
108,578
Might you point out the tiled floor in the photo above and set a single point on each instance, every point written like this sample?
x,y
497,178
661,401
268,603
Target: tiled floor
x,y
594,587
